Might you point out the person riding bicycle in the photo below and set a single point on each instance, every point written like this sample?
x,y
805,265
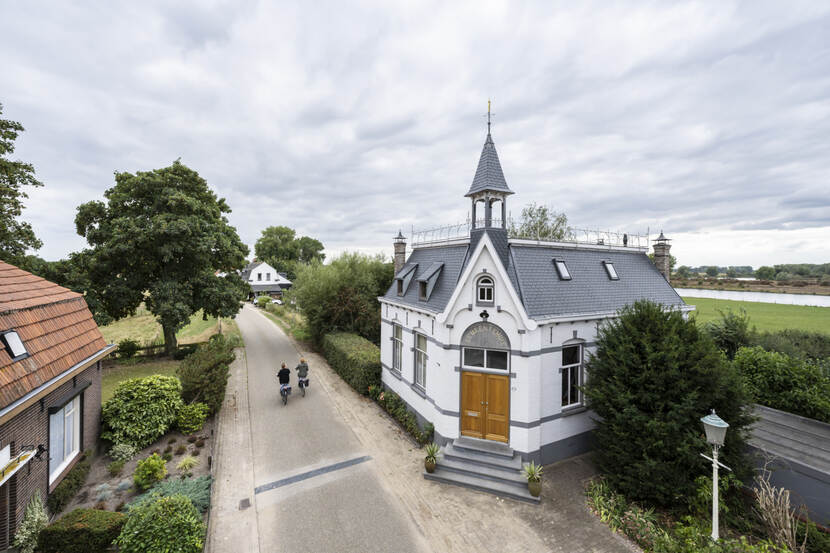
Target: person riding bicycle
x,y
284,375
302,369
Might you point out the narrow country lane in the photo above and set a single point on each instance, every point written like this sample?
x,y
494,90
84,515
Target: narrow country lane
x,y
316,488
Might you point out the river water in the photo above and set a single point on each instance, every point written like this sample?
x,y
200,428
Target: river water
x,y
762,297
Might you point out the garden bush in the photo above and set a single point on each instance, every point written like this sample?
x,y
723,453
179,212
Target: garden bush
x,y
149,471
197,490
183,351
192,417
141,410
787,383
81,531
70,484
164,524
34,521
395,406
654,375
204,374
263,301
122,452
795,343
127,348
354,358
115,467
731,332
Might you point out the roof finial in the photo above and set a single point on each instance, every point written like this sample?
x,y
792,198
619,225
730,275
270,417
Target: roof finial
x,y
488,116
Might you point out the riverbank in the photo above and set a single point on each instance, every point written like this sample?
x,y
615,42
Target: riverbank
x,y
780,287
765,316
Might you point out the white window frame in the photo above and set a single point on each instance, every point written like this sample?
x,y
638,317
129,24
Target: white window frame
x,y
486,359
397,347
69,416
562,269
611,270
421,359
485,290
572,397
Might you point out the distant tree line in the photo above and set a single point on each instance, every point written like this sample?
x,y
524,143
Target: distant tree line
x,y
784,272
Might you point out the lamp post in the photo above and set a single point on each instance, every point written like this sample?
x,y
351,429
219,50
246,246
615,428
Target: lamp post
x,y
715,433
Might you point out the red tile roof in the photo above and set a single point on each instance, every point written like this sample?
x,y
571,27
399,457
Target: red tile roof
x,y
54,324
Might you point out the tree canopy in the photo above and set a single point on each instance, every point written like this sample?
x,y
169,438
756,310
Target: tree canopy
x,y
18,236
542,223
654,375
162,237
279,247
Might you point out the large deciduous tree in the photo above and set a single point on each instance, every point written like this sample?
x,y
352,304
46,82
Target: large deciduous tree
x,y
654,375
541,223
18,236
162,237
280,247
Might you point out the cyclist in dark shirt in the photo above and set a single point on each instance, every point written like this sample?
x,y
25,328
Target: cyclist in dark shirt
x,y
284,375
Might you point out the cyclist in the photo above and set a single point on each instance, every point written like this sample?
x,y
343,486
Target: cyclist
x,y
302,374
284,375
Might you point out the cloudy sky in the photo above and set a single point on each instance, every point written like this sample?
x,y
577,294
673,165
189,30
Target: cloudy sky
x,y
709,120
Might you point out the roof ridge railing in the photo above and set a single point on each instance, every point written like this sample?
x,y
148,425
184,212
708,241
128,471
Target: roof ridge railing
x,y
461,231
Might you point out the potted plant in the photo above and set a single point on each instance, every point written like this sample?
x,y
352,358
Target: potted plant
x,y
533,473
431,458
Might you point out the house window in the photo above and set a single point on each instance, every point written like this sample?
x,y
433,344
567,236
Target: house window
x,y
612,272
571,375
13,344
421,360
267,276
485,358
562,269
259,276
397,346
422,290
400,287
485,290
64,437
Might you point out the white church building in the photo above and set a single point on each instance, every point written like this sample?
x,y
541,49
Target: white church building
x,y
486,336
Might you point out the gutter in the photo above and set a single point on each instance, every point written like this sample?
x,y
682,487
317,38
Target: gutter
x,y
13,409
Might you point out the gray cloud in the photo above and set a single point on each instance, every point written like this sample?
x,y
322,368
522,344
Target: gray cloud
x,y
348,123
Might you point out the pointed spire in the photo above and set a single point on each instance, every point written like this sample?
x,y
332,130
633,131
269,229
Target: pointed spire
x,y
489,175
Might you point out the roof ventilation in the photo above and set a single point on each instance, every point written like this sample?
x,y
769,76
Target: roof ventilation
x,y
14,345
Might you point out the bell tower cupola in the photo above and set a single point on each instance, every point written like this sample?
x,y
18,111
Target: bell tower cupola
x,y
489,186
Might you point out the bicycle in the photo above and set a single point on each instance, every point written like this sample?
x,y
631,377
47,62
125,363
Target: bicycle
x,y
303,383
285,391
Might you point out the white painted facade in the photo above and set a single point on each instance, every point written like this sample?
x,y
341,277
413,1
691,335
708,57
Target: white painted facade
x,y
265,274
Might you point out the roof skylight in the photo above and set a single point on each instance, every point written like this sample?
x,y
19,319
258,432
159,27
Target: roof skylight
x,y
14,345
562,269
612,272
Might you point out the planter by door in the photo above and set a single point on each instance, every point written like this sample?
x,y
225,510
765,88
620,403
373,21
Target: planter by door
x,y
485,406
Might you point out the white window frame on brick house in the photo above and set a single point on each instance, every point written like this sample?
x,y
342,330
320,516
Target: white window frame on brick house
x,y
421,358
572,376
65,421
397,347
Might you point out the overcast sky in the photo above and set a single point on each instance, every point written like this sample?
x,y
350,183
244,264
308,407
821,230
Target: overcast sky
x,y
707,120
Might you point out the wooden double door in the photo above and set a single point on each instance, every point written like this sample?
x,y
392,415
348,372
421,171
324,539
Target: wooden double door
x,y
485,406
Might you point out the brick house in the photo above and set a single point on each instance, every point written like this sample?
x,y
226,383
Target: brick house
x,y
50,388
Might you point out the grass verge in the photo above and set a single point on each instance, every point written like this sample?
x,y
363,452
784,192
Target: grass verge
x,y
765,316
115,372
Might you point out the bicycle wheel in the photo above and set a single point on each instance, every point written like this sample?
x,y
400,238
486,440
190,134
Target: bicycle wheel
x,y
284,398
302,389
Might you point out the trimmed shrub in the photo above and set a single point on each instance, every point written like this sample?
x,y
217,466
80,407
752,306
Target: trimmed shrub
x,y
731,332
786,383
197,490
262,301
354,358
192,417
141,410
70,484
34,521
204,374
184,351
163,524
81,531
127,348
396,407
149,471
122,452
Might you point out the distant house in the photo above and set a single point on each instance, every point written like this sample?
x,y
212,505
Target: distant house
x,y
50,388
265,280
486,336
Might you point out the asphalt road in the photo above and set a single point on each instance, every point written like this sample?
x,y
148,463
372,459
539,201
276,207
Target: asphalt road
x,y
316,489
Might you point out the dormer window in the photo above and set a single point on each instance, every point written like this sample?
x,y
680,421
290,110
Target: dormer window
x,y
267,276
562,269
400,287
259,276
612,272
13,344
422,290
484,290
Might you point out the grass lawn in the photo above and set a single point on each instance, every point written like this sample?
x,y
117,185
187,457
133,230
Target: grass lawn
x,y
113,373
766,316
143,328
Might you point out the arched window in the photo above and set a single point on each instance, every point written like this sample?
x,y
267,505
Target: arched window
x,y
484,290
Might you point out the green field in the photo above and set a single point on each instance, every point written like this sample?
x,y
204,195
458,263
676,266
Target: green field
x,y
143,328
116,372
766,316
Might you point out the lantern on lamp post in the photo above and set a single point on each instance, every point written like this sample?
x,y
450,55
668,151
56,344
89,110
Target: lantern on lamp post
x,y
715,433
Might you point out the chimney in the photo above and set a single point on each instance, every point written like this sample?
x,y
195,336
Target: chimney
x,y
662,259
400,252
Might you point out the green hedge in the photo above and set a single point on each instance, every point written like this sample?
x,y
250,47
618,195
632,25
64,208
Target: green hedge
x,y
786,383
164,524
141,410
354,358
70,484
396,407
81,531
204,373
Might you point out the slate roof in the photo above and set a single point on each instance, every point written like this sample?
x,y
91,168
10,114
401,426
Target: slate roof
x,y
489,175
55,325
535,280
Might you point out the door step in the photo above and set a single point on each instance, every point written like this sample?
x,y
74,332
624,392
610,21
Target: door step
x,y
483,466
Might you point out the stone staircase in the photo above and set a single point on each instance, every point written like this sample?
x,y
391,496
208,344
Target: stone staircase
x,y
482,465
